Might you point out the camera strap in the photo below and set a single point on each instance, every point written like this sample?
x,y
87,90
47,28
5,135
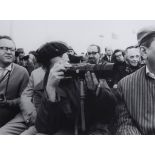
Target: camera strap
x,y
8,77
4,77
7,83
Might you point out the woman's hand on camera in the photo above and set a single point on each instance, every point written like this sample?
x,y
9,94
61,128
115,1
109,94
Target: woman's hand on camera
x,y
55,75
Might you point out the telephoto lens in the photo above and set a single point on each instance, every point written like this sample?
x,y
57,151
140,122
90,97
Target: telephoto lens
x,y
79,70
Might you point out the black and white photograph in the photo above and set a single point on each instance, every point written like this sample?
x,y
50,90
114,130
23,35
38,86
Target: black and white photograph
x,y
77,77
64,77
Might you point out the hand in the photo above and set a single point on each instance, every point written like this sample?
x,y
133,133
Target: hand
x,y
115,86
91,81
57,73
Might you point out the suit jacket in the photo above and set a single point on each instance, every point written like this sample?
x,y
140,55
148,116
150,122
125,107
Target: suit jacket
x,y
30,98
106,58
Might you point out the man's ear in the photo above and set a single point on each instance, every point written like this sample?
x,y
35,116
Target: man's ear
x,y
143,51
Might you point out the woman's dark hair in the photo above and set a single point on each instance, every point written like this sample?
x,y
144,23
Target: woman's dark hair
x,y
50,50
114,55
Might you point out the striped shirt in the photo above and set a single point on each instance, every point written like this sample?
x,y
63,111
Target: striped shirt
x,y
136,106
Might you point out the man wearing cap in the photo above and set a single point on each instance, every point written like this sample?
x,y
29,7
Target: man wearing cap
x,y
136,92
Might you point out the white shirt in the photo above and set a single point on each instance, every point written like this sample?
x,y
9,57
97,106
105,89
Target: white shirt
x,y
3,71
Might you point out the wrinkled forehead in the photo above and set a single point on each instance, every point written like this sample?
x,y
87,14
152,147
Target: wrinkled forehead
x,y
133,51
92,49
7,43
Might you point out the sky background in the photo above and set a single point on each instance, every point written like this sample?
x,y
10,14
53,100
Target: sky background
x,y
31,34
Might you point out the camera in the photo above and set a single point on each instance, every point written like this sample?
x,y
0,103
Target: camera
x,y
79,70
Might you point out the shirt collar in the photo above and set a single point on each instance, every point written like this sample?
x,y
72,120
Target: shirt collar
x,y
150,74
9,68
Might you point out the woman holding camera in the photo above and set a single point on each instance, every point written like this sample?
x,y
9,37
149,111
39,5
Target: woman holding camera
x,y
71,105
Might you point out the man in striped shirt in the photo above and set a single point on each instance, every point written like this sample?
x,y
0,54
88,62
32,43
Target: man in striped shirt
x,y
136,92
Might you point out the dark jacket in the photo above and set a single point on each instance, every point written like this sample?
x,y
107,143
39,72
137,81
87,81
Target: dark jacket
x,y
120,70
65,114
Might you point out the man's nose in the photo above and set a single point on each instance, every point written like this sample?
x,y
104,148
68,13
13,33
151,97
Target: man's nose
x,y
136,59
9,51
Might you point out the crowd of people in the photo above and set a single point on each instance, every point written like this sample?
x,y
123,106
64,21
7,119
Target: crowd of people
x,y
110,93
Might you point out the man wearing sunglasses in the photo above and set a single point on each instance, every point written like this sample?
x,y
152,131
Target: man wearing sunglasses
x,y
93,54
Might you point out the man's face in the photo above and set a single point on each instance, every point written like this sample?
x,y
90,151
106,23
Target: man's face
x,y
7,52
93,55
151,53
119,57
133,56
109,51
21,55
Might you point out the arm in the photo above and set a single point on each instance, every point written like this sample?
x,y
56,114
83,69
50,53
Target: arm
x,y
125,124
50,115
101,103
27,107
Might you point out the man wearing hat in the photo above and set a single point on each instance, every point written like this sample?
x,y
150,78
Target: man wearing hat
x,y
136,92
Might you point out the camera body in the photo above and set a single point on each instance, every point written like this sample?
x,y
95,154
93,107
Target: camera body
x,y
79,70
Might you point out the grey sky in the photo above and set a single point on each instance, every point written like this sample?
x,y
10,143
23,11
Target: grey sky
x,y
79,34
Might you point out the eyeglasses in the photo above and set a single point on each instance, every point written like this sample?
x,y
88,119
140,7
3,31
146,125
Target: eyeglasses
x,y
7,49
93,53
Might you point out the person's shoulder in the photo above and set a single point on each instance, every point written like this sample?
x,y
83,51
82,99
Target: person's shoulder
x,y
20,69
16,66
39,71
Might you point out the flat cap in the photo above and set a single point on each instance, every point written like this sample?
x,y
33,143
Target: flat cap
x,y
145,33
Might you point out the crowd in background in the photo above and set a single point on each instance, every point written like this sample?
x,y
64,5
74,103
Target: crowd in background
x,y
124,61
36,97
